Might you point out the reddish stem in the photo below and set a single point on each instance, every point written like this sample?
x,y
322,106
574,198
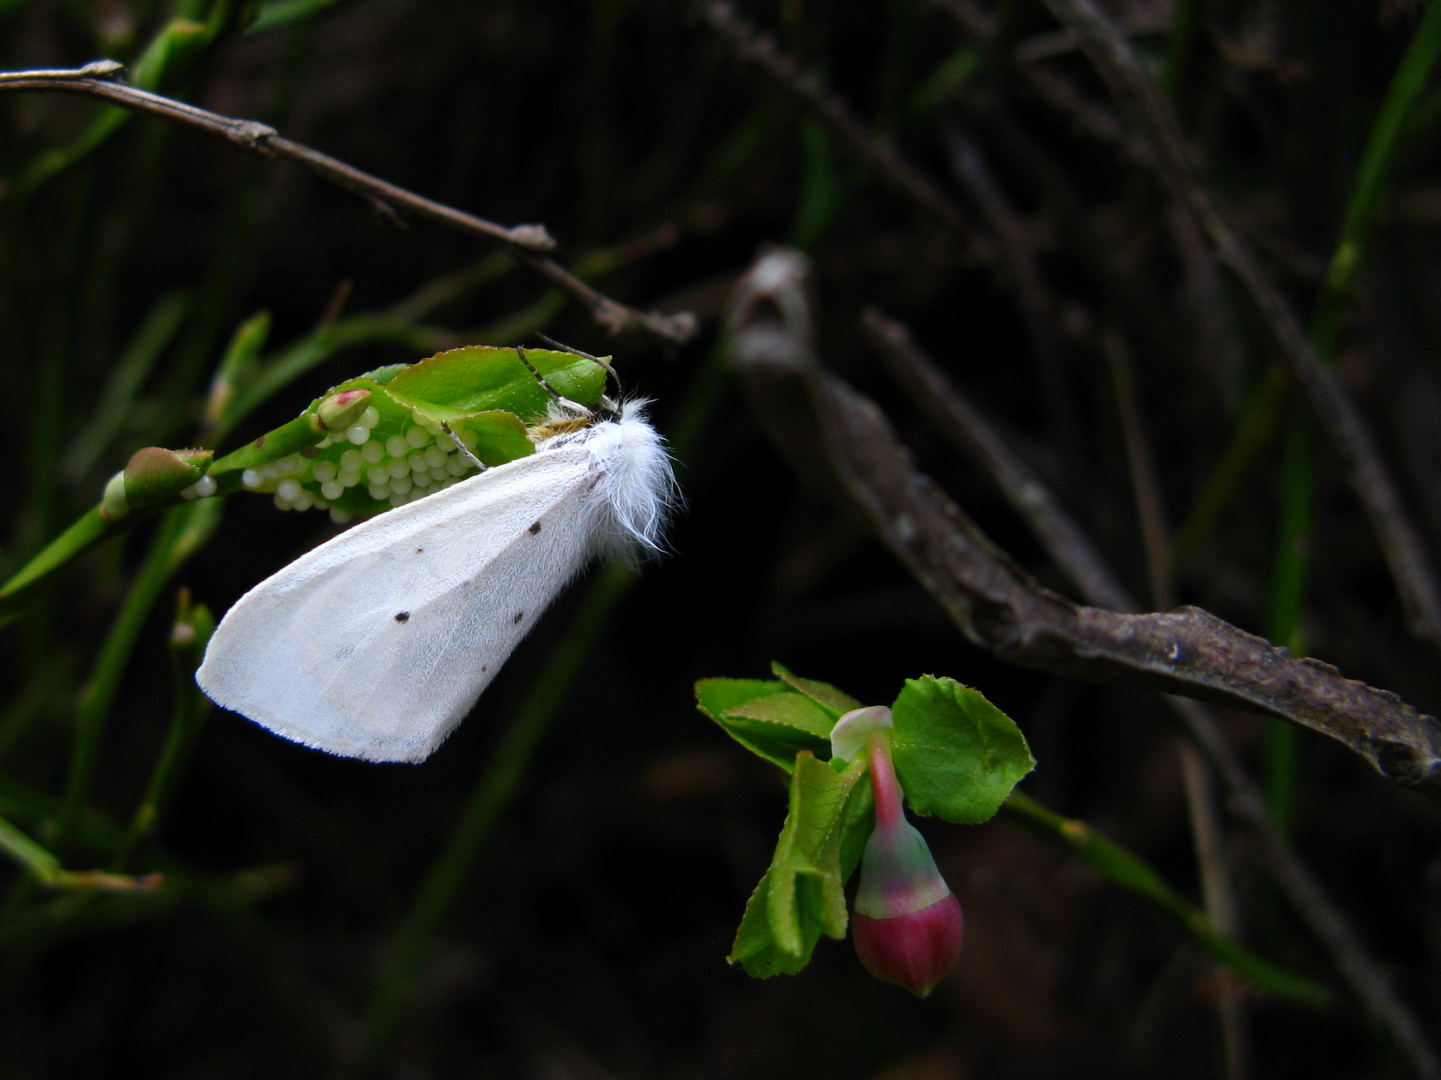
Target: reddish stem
x,y
889,812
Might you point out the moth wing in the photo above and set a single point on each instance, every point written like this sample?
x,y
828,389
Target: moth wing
x,y
376,644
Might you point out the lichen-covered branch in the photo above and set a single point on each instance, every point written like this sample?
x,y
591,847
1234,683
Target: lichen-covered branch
x,y
842,440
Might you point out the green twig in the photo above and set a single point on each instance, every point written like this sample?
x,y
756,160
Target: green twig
x,y
45,868
1130,872
278,13
508,766
1298,484
188,637
174,47
72,542
182,531
504,773
1255,432
130,371
1389,132
280,370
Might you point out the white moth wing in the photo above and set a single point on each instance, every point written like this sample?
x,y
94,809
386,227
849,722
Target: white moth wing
x,y
377,643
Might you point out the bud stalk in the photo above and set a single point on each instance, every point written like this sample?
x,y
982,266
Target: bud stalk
x,y
907,925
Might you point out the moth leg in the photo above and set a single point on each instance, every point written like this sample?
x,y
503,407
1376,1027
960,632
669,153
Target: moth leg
x,y
562,400
462,447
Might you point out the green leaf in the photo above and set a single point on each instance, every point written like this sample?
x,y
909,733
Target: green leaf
x,y
802,895
835,702
1128,870
957,755
484,395
767,718
716,696
483,378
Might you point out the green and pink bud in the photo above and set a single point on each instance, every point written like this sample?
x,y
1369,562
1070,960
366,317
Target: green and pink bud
x,y
154,476
907,925
340,411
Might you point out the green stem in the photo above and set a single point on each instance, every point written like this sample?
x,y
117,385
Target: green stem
x,y
188,638
1132,873
313,350
45,868
1178,48
511,761
90,528
1298,493
1388,133
1255,432
504,773
182,531
1395,122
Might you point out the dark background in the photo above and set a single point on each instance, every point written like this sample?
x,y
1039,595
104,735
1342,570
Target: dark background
x,y
589,940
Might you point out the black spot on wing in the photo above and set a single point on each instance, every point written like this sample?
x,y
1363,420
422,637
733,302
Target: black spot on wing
x,y
534,529
518,616
402,616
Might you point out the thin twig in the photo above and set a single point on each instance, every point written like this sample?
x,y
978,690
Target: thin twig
x,y
1205,828
1140,98
968,13
1059,42
760,49
526,241
843,440
1073,551
1018,258
95,80
1218,347
1219,899
1089,118
1145,483
964,425
1308,897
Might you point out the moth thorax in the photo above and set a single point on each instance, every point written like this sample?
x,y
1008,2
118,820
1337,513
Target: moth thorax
x,y
549,429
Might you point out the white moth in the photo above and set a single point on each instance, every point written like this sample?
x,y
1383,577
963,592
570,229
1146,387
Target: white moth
x,y
377,643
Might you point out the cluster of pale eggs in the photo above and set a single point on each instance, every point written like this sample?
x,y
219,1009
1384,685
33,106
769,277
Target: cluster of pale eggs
x,y
397,470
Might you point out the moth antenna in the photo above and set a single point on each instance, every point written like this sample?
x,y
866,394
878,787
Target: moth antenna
x,y
565,401
563,347
462,447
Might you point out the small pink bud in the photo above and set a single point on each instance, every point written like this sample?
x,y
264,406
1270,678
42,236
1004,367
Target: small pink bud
x,y
908,924
339,411
916,950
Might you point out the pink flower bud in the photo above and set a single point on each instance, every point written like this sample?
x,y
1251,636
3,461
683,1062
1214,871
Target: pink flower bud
x,y
907,924
916,950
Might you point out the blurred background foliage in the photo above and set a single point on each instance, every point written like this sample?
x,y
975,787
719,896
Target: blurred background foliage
x,y
552,895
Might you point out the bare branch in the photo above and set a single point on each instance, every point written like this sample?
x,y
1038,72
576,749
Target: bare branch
x,y
1018,262
1073,551
963,424
819,423
842,439
755,47
1138,95
1218,890
1309,898
526,241
1145,482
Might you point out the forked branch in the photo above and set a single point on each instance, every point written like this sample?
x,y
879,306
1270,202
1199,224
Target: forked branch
x,y
843,441
527,242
